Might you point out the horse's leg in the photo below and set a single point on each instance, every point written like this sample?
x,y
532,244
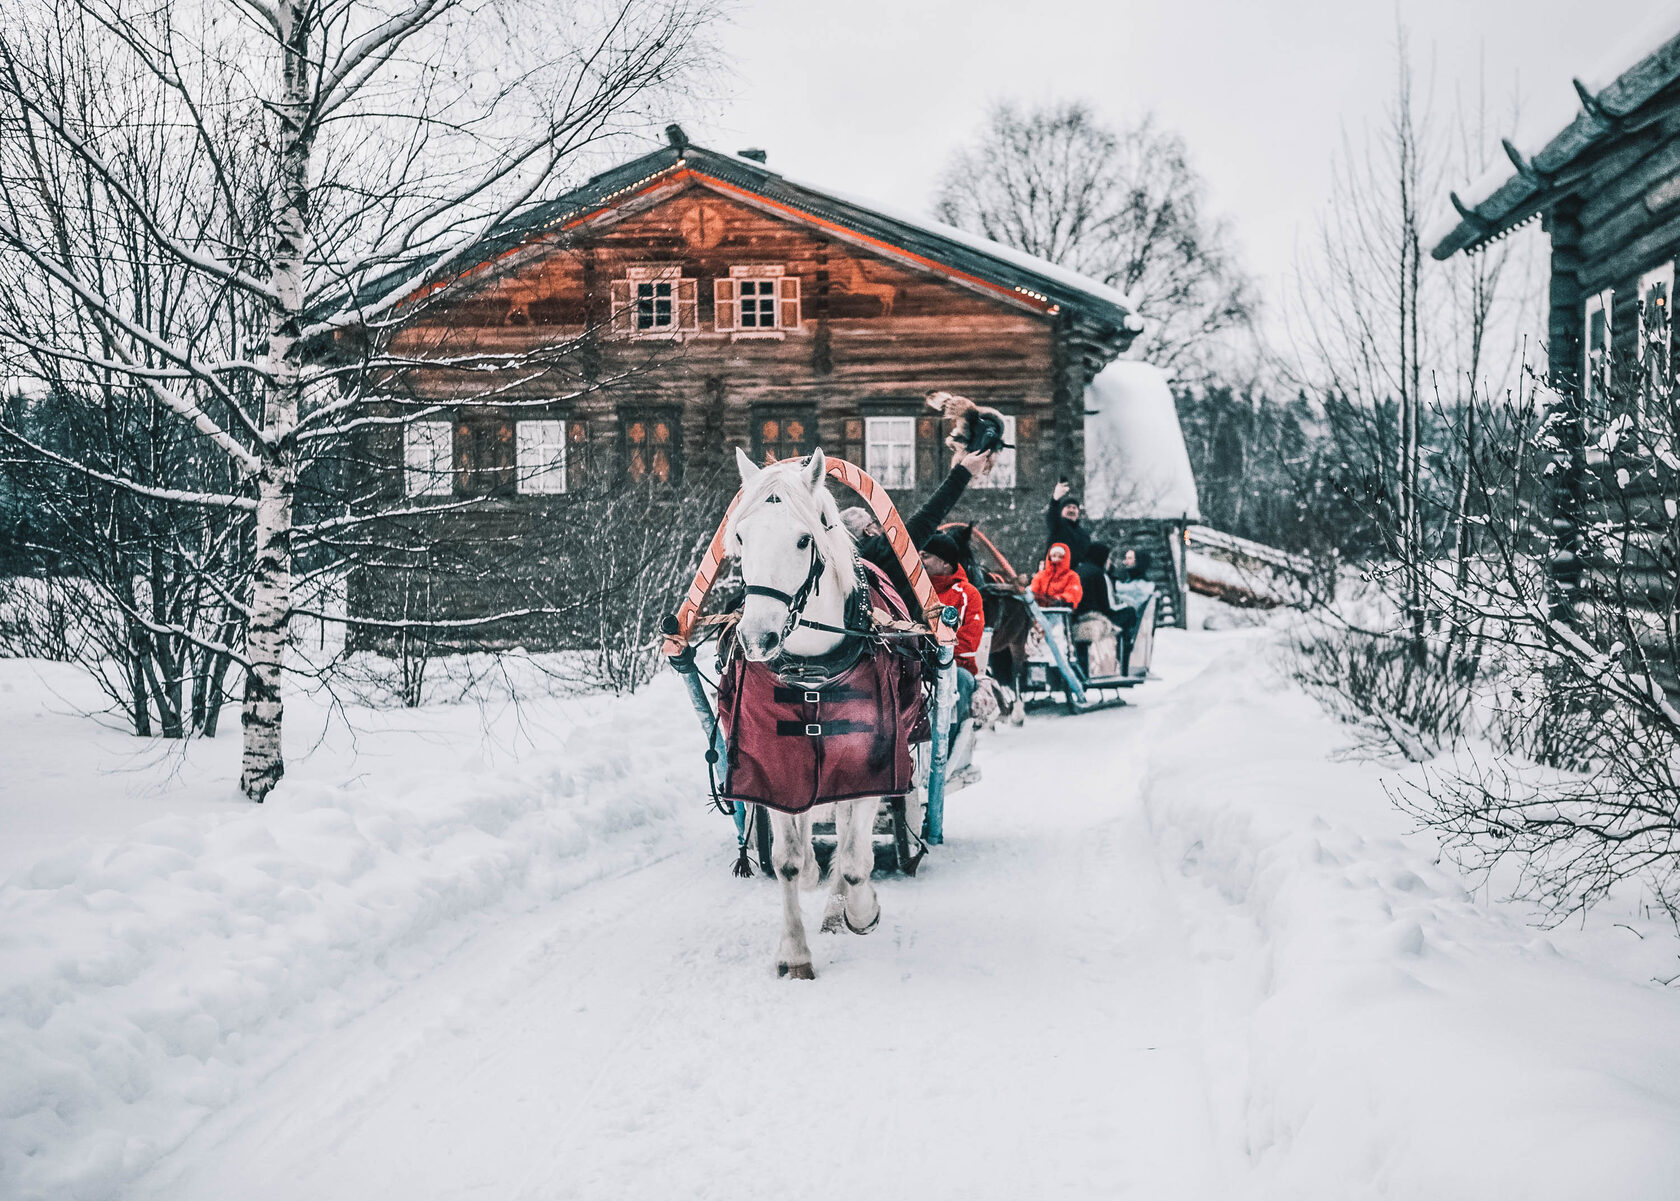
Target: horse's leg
x,y
791,856
854,858
833,922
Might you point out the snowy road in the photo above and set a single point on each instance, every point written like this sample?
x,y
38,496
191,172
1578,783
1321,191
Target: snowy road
x,y
1024,1023
1186,949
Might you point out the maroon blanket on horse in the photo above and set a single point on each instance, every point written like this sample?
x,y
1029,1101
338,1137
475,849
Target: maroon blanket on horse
x,y
792,746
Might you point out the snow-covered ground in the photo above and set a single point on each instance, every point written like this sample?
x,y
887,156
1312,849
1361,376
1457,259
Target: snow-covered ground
x,y
1175,950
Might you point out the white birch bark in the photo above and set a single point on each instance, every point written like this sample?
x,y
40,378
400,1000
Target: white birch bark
x,y
263,761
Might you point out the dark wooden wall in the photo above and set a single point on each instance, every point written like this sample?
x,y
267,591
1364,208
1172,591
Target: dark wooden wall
x,y
1619,219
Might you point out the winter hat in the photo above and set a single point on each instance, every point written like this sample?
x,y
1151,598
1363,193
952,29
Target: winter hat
x,y
1097,553
943,546
857,519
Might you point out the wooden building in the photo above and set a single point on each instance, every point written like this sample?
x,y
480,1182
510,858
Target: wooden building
x,y
1606,188
631,334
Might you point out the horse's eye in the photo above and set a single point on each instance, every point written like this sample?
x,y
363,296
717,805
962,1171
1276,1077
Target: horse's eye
x,y
804,541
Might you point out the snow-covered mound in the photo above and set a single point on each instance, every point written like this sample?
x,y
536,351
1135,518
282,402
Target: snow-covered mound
x,y
1136,464
149,978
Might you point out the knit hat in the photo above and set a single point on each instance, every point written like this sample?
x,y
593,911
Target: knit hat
x,y
943,546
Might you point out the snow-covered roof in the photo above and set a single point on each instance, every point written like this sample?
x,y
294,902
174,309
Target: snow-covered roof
x,y
1554,133
1136,464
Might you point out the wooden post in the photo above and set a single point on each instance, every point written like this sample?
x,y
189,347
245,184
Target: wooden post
x,y
1568,417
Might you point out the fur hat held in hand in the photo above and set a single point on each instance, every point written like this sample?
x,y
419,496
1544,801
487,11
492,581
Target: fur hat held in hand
x,y
974,428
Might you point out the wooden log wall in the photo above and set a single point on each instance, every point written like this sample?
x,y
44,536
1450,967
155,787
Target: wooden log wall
x,y
1617,220
874,336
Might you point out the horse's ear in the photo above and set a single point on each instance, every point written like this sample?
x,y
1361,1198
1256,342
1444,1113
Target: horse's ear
x,y
815,470
748,469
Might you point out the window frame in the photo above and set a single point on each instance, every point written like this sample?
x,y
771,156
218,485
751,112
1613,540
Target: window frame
x,y
474,478
673,418
786,304
874,422
534,480
625,295
1595,373
782,414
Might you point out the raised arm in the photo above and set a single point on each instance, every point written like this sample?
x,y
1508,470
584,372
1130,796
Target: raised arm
x,y
924,522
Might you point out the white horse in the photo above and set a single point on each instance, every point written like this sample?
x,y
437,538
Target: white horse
x,y
800,568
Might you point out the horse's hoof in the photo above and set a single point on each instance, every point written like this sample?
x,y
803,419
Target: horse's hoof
x,y
873,922
831,923
795,971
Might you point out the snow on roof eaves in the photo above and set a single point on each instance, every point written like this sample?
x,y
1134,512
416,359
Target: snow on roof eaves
x,y
1510,192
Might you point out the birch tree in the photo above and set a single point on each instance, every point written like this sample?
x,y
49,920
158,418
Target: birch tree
x,y
223,207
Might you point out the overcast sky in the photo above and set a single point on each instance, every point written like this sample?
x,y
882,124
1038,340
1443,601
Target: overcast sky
x,y
871,96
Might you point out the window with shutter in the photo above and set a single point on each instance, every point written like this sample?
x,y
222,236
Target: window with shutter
x,y
655,301
541,456
1003,469
428,458
889,454
766,300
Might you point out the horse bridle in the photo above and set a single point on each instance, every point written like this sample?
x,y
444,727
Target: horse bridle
x,y
797,599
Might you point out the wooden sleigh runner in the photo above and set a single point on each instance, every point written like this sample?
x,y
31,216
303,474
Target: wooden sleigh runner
x,y
898,843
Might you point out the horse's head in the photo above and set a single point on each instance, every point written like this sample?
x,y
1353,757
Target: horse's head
x,y
786,531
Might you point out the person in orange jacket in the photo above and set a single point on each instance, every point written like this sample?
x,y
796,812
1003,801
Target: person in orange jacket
x,y
1056,582
942,559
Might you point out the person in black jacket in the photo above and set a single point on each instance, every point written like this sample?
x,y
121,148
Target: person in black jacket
x,y
1062,520
1093,581
921,525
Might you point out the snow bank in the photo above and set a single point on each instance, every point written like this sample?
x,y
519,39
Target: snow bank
x,y
147,980
1374,1030
1136,464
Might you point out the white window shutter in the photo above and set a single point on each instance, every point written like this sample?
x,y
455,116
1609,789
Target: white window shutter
x,y
788,296
623,306
688,304
429,458
540,450
723,304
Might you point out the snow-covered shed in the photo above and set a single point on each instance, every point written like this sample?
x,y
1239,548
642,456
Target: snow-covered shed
x,y
1139,488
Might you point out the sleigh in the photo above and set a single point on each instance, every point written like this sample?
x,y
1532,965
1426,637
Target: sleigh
x,y
1046,670
900,838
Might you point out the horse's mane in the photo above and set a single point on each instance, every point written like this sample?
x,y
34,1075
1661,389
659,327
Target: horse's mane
x,y
817,511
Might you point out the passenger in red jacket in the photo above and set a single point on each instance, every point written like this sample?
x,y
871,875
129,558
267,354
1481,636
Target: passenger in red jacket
x,y
941,559
1057,583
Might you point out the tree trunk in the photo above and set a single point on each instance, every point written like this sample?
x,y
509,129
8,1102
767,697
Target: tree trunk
x,y
271,590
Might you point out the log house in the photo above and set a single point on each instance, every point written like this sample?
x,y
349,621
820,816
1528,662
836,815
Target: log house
x,y
690,302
